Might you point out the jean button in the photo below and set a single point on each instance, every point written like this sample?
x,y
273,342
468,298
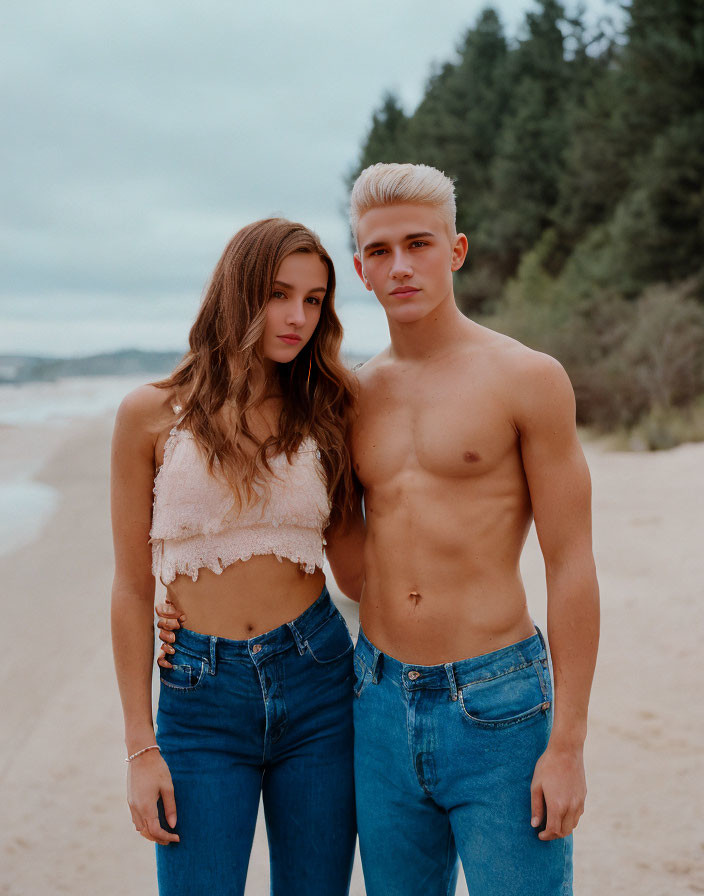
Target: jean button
x,y
413,675
256,648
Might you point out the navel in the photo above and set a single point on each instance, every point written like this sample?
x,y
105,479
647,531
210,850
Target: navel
x,y
250,627
416,597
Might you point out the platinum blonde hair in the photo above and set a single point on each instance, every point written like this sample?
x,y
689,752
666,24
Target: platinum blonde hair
x,y
391,183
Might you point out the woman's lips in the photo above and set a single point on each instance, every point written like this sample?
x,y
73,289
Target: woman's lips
x,y
290,339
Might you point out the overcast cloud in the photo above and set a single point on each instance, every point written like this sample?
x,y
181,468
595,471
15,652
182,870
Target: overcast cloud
x,y
139,136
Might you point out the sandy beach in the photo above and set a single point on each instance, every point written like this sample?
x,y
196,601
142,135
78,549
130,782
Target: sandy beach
x,y
64,824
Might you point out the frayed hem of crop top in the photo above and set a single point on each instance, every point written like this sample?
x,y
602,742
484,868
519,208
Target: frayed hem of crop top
x,y
167,572
191,529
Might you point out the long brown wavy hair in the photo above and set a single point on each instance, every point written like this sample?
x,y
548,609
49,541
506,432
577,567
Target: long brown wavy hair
x,y
224,365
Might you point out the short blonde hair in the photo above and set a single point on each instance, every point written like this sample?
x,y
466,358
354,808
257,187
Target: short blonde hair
x,y
392,183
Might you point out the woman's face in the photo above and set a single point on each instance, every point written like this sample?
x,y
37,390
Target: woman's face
x,y
294,306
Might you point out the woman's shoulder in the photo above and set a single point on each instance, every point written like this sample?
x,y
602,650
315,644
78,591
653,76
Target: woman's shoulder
x,y
148,409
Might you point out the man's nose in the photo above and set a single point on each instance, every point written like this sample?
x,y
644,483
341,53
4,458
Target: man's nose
x,y
400,265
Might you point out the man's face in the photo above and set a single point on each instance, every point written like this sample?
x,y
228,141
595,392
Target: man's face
x,y
407,257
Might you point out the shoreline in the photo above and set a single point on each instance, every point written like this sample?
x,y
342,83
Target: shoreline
x,y
65,824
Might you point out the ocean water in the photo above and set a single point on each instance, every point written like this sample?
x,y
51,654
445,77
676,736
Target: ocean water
x,y
57,403
25,504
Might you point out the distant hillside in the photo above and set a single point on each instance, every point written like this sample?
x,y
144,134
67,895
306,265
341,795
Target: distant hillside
x,y
17,369
26,369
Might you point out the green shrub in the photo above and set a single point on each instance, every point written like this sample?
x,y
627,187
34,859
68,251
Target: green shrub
x,y
664,428
632,363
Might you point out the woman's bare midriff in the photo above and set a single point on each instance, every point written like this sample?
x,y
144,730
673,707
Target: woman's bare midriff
x,y
247,598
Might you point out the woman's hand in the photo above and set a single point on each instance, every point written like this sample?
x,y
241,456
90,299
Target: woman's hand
x,y
170,619
148,778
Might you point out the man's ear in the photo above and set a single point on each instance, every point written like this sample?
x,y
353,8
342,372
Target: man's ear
x,y
459,252
360,270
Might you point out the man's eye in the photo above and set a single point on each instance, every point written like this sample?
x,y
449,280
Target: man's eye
x,y
378,252
418,243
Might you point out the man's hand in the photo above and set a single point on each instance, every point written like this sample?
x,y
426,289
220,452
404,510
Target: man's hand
x,y
170,619
559,788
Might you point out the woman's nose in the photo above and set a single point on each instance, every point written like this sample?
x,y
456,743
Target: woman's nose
x,y
295,316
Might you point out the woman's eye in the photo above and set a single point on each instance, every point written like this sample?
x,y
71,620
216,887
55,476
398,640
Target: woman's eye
x,y
313,300
277,294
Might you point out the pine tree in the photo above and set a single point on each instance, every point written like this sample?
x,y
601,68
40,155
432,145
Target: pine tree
x,y
456,125
530,147
387,137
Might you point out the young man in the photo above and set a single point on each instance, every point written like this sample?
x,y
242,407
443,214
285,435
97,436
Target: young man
x,y
463,437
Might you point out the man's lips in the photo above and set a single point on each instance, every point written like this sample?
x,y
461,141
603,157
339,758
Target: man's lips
x,y
290,338
404,291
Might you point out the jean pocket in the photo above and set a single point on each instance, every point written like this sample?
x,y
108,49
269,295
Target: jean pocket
x,y
508,699
331,642
186,673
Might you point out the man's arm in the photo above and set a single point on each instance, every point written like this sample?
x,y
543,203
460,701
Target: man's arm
x,y
345,553
560,491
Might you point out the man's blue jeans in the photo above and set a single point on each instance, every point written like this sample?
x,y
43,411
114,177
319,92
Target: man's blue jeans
x,y
444,757
270,715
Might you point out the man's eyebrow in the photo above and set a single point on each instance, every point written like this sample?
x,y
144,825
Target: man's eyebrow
x,y
322,289
408,237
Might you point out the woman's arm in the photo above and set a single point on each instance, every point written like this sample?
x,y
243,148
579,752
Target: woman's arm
x,y
131,484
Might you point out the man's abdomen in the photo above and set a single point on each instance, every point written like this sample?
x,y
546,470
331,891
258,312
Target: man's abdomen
x,y
439,592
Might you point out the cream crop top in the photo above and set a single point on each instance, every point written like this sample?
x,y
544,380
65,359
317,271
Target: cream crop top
x,y
195,526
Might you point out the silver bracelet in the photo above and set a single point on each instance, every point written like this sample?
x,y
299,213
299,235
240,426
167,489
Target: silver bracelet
x,y
144,750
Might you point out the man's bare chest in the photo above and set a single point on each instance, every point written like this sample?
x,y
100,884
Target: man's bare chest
x,y
443,429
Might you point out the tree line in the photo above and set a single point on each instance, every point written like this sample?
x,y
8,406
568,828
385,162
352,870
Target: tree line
x,y
578,157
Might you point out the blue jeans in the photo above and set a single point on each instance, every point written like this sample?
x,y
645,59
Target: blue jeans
x,y
444,757
270,715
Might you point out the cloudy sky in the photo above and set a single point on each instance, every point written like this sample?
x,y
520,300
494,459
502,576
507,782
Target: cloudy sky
x,y
138,136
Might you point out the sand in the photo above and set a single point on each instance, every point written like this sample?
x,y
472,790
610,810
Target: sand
x,y
64,823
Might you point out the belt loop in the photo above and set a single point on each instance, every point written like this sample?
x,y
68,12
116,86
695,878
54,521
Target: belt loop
x,y
377,666
213,654
300,643
450,671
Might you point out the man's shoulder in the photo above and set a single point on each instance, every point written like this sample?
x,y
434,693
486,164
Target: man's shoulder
x,y
535,385
367,370
516,360
526,382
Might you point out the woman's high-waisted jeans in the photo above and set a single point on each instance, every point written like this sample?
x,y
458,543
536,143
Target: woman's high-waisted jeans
x,y
270,715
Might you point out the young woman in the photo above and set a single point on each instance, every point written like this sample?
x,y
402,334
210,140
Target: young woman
x,y
226,479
